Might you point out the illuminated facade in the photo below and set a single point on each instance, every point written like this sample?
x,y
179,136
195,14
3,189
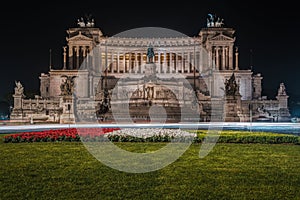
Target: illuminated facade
x,y
97,63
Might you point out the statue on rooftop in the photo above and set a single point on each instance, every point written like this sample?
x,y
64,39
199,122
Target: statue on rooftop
x,y
210,20
87,21
219,22
81,22
281,90
19,89
90,23
214,21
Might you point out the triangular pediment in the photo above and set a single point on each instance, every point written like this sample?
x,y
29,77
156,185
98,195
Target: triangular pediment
x,y
79,37
221,37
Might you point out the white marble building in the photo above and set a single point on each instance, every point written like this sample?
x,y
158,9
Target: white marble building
x,y
97,62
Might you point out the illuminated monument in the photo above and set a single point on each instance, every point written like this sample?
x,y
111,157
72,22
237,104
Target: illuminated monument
x,y
95,63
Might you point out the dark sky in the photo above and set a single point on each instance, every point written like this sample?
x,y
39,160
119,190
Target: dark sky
x,y
270,30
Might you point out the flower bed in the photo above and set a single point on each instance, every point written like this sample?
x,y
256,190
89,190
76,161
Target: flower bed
x,y
150,135
70,134
102,134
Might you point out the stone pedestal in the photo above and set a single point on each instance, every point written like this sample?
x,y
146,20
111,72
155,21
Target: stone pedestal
x,y
231,109
67,116
150,69
283,111
18,101
17,112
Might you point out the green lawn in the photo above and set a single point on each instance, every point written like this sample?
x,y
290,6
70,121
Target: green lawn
x,y
66,170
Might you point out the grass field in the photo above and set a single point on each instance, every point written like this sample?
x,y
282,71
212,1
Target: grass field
x,y
66,170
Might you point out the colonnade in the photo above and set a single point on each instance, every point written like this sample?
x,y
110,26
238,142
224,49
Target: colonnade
x,y
166,62
76,56
222,57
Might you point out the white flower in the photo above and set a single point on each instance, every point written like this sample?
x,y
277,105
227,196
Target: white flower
x,y
150,132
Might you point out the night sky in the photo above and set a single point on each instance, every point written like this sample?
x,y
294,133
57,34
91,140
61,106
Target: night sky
x,y
270,31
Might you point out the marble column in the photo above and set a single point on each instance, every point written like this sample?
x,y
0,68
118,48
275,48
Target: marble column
x,y
127,64
84,57
118,62
170,62
70,57
230,57
159,63
189,62
223,58
165,64
90,86
135,63
98,68
176,63
217,59
140,64
112,64
194,61
144,60
65,58
124,62
84,52
226,58
130,63
236,59
105,61
200,61
90,58
213,59
210,58
77,49
182,62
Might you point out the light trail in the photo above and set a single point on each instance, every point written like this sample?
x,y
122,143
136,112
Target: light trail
x,y
292,128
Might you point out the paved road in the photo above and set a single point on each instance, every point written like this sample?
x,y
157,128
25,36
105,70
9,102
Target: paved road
x,y
293,128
